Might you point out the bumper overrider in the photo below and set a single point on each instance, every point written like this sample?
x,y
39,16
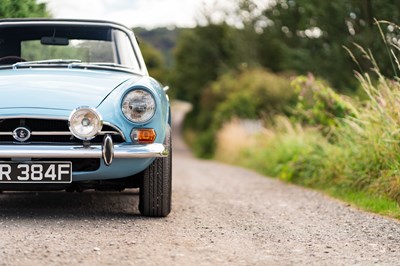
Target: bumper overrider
x,y
107,151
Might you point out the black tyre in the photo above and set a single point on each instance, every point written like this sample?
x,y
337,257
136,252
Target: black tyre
x,y
155,188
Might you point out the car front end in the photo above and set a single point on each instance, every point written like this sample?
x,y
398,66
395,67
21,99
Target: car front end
x,y
92,120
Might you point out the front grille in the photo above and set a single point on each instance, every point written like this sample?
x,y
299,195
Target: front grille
x,y
50,131
78,164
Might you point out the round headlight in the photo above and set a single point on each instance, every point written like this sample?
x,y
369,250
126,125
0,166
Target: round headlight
x,y
85,123
138,106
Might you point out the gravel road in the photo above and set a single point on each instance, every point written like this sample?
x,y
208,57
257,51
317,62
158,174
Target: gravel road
x,y
222,215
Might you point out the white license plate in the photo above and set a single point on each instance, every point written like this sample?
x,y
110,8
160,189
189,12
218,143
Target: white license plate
x,y
35,172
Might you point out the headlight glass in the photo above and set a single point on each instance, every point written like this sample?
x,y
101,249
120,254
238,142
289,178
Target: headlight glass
x,y
85,123
138,106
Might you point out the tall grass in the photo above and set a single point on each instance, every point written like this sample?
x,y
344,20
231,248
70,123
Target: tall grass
x,y
359,168
371,142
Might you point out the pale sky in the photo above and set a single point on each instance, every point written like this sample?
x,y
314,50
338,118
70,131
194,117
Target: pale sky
x,y
133,13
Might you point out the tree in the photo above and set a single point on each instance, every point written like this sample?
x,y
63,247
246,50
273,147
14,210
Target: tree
x,y
201,55
22,9
313,33
154,61
162,39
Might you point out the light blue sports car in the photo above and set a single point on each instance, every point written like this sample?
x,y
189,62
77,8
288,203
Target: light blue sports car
x,y
79,111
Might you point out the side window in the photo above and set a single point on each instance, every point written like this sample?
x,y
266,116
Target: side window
x,y
125,50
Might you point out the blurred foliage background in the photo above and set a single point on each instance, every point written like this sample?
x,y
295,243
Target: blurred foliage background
x,y
22,9
304,90
320,76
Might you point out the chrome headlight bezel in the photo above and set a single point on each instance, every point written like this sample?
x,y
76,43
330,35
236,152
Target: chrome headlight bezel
x,y
96,118
150,105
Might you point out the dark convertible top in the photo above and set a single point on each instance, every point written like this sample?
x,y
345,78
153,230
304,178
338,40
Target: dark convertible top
x,y
61,21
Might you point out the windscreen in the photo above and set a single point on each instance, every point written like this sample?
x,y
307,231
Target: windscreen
x,y
90,44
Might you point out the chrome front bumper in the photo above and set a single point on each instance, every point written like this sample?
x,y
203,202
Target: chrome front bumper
x,y
107,151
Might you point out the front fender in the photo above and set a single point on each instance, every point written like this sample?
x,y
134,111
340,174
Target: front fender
x,y
111,110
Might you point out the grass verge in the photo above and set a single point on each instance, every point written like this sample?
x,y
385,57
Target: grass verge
x,y
367,202
348,169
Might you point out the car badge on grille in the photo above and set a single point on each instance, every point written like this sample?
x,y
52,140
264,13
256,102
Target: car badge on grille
x,y
21,134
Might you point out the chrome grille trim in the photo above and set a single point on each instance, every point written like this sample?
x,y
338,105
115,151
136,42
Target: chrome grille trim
x,y
33,117
58,133
110,129
116,128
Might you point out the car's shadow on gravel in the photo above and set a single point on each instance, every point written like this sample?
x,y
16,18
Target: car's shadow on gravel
x,y
85,205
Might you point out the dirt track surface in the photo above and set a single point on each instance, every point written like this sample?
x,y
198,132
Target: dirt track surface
x,y
222,215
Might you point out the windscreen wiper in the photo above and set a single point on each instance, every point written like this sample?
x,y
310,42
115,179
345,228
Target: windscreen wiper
x,y
77,64
98,65
46,62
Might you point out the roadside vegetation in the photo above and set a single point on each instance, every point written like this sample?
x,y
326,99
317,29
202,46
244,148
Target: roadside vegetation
x,y
347,148
285,100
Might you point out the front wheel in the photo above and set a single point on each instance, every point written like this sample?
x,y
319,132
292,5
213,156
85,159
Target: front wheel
x,y
155,189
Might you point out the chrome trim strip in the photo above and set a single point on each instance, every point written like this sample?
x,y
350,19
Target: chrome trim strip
x,y
56,151
110,133
34,116
116,128
51,133
58,133
59,118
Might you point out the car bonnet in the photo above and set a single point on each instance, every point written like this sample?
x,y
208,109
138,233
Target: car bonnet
x,y
64,89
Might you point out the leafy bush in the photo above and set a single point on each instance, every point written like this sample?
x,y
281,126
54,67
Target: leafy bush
x,y
318,104
288,150
248,93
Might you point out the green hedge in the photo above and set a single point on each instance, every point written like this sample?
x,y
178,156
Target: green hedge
x,y
247,93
